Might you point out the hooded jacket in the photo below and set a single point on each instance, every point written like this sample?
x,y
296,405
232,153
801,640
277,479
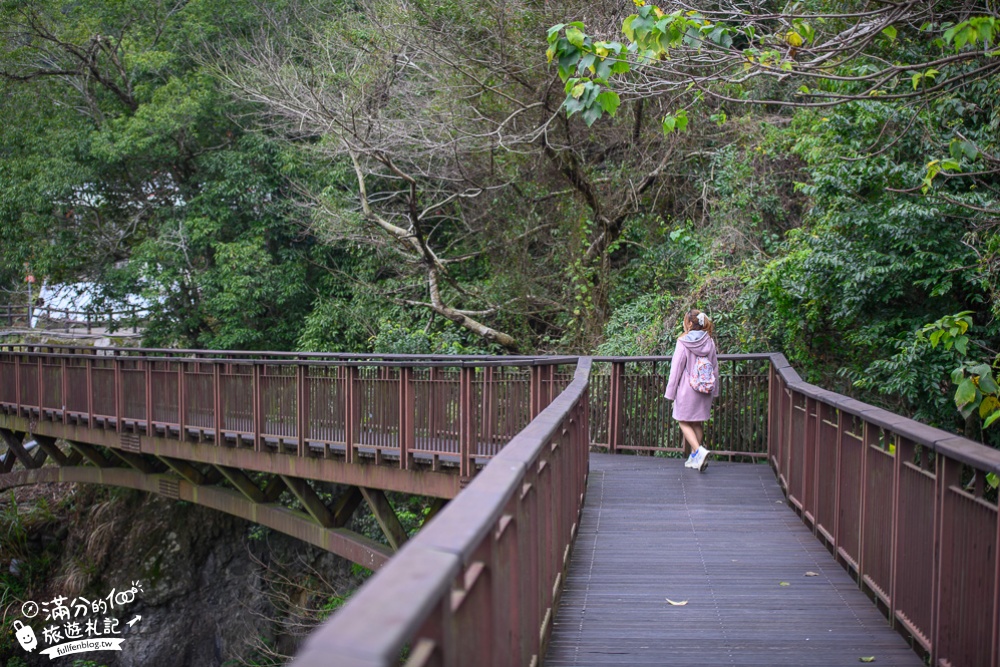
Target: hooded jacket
x,y
690,404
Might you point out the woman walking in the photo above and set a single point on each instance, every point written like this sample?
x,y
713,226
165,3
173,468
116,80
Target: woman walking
x,y
693,383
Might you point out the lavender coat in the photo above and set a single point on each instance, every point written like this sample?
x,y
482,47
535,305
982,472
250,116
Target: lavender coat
x,y
691,405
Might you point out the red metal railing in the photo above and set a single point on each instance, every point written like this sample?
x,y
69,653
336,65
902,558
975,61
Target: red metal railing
x,y
629,413
903,506
394,407
479,585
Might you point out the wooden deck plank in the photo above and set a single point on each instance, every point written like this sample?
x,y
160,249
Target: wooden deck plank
x,y
723,541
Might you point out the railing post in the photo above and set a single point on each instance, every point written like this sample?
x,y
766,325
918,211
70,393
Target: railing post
x,y
217,401
810,431
897,473
489,408
258,405
90,391
406,424
535,396
837,483
866,439
996,598
17,384
351,411
181,402
615,404
119,394
148,366
943,472
465,411
302,408
65,388
40,385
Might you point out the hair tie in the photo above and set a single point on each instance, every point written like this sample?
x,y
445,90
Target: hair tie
x,y
701,319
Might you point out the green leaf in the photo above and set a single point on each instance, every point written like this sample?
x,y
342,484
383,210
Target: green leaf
x,y
575,37
966,393
627,27
961,343
669,123
609,101
992,479
957,375
949,34
988,385
591,114
553,33
992,418
682,120
890,33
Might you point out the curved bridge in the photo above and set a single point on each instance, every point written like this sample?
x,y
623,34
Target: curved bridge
x,y
236,432
904,508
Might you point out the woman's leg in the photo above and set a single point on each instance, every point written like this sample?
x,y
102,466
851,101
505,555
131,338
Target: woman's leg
x,y
688,430
699,431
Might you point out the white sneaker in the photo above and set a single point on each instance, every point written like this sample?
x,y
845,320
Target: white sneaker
x,y
700,459
690,462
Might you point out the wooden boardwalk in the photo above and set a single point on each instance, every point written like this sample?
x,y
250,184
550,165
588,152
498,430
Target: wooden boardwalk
x,y
723,541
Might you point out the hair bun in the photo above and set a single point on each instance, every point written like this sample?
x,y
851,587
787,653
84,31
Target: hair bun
x,y
701,319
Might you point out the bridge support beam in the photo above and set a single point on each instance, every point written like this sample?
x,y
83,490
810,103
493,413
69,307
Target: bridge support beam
x,y
385,516
93,454
344,508
137,461
50,447
16,451
347,544
312,502
185,470
273,489
243,483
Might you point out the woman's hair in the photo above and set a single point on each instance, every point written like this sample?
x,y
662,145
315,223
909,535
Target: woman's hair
x,y
699,321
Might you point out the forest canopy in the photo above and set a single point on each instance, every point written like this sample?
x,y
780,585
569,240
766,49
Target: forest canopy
x,y
821,177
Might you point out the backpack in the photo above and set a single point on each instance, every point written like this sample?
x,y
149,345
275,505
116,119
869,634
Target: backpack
x,y
703,377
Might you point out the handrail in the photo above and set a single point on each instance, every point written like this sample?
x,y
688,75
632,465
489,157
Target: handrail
x,y
479,584
90,317
902,505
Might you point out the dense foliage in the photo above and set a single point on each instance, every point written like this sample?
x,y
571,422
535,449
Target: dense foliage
x,y
420,178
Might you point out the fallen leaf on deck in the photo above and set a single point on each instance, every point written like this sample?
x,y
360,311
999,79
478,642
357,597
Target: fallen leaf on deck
x,y
870,658
784,583
677,604
811,574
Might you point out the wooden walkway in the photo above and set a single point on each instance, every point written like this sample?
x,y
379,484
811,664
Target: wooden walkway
x,y
725,542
